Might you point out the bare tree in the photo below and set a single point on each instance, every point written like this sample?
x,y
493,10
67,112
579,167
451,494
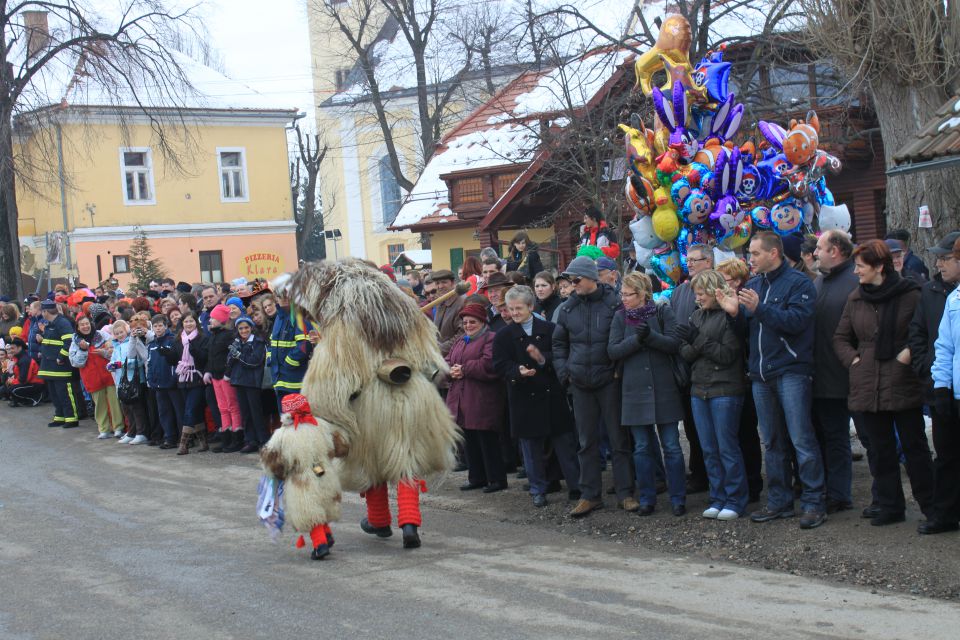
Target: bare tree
x,y
439,69
906,53
309,212
124,59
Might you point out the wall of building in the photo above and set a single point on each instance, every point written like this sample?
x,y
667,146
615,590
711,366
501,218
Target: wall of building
x,y
191,193
100,223
245,252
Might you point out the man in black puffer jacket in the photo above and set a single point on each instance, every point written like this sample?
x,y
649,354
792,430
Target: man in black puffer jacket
x,y
924,329
581,361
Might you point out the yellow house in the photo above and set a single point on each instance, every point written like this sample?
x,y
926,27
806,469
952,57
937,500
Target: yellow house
x,y
215,202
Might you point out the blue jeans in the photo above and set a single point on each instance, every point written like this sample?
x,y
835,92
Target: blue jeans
x,y
644,460
783,409
718,425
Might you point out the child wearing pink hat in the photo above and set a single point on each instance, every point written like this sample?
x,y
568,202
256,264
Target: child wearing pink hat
x,y
221,337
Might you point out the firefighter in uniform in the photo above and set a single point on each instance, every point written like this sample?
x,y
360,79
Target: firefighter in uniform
x,y
289,353
55,369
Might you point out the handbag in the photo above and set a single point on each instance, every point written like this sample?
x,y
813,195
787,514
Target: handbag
x,y
129,391
681,371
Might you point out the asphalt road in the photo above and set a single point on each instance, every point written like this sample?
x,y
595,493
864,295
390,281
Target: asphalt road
x,y
102,540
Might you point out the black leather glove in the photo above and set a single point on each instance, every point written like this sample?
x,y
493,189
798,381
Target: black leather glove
x,y
943,401
687,332
643,330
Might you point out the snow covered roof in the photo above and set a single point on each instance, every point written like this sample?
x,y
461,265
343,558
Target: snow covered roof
x,y
62,81
506,130
417,257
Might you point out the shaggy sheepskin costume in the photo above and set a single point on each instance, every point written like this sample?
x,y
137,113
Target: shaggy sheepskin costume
x,y
302,454
372,376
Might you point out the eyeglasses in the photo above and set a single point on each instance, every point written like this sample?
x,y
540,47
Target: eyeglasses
x,y
628,294
431,292
698,260
575,280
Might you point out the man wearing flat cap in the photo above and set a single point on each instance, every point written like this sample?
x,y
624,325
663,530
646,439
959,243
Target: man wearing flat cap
x,y
581,361
446,315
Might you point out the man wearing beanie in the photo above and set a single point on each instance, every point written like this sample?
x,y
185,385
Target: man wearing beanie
x,y
55,369
581,361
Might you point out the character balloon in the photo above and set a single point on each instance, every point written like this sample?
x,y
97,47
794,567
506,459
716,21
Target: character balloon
x,y
787,216
665,222
683,145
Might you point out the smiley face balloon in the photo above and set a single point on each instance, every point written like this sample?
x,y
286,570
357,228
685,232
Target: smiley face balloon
x,y
787,216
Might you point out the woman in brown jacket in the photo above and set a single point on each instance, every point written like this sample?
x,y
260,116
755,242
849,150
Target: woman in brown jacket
x,y
871,341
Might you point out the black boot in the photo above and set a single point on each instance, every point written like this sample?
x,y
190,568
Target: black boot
x,y
380,532
219,440
321,552
234,443
411,539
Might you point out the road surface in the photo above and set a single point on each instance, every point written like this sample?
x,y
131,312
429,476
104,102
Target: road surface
x,y
102,540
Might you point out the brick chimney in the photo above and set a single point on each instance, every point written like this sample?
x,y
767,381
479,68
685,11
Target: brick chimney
x,y
38,31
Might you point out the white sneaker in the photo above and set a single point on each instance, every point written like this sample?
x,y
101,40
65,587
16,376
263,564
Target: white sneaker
x,y
727,514
711,513
126,440
118,433
140,440
105,436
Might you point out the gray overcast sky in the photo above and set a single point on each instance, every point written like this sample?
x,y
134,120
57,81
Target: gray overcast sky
x,y
265,45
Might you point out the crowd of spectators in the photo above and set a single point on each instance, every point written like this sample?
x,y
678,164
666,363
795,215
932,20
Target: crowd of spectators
x,y
764,362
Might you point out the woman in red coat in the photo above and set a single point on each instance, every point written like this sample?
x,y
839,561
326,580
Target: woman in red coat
x,y
476,401
88,353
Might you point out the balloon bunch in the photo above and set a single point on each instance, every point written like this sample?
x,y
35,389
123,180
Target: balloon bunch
x,y
689,183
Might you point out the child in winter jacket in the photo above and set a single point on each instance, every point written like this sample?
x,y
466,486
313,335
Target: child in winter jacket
x,y
245,362
129,359
222,336
162,381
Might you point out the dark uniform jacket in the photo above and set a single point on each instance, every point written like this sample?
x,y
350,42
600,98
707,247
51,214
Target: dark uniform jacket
x,y
55,350
538,404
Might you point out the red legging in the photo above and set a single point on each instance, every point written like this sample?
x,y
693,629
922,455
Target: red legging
x,y
408,503
318,535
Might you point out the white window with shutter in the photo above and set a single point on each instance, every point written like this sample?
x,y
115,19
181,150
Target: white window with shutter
x,y
136,175
232,164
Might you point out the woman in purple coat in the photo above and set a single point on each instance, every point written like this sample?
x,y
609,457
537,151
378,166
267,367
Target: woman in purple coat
x,y
476,401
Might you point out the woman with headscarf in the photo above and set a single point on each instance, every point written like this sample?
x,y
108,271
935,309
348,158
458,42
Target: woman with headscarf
x,y
476,401
871,341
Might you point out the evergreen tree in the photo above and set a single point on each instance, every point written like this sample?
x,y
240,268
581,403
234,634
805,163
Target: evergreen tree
x,y
143,266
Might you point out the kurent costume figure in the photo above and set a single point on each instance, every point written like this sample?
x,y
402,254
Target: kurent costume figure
x,y
301,453
372,376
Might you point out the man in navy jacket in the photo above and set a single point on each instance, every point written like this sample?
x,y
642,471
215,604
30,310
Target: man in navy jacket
x,y
777,306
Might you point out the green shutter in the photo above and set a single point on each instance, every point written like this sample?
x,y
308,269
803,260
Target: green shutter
x,y
456,259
